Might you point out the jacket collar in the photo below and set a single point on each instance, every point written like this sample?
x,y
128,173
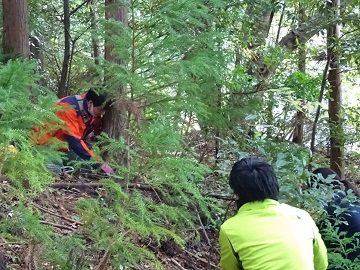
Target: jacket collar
x,y
258,205
86,116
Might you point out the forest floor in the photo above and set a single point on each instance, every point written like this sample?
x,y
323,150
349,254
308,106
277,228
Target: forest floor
x,y
56,206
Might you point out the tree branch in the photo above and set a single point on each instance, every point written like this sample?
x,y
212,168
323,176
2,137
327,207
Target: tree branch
x,y
78,7
308,29
70,185
55,214
64,227
280,23
259,88
298,36
321,94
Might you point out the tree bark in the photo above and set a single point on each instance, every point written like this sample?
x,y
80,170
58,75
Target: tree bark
x,y
298,136
15,28
94,40
115,120
3,261
62,89
335,95
118,13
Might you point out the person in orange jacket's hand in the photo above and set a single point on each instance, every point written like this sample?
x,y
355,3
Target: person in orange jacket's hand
x,y
78,116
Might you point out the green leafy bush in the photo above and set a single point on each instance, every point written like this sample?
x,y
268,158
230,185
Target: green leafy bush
x,y
155,200
22,107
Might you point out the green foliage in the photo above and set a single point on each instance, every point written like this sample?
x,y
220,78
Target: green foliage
x,y
22,106
162,72
304,86
290,163
23,225
352,124
20,160
341,244
129,215
183,77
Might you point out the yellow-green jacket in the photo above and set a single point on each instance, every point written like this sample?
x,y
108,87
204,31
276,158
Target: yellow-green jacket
x,y
271,236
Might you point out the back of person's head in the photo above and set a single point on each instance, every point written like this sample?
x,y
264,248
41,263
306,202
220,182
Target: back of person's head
x,y
319,176
336,183
326,172
253,180
99,99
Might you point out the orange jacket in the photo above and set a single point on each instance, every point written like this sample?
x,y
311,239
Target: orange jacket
x,y
78,124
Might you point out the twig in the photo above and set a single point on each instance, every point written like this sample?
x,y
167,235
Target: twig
x,y
251,92
78,7
177,263
95,185
157,195
10,243
71,185
220,196
103,262
55,214
280,23
57,225
203,227
227,211
29,259
349,32
200,259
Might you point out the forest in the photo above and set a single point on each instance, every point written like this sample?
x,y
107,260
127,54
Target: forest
x,y
196,86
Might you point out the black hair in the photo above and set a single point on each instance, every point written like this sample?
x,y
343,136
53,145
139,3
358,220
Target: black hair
x,y
253,180
327,172
99,99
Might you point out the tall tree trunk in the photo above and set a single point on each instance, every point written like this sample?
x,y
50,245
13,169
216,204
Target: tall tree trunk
x,y
15,28
94,40
115,121
117,13
298,136
335,99
62,89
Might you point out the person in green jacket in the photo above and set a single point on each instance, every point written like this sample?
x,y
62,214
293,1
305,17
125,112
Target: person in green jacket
x,y
265,234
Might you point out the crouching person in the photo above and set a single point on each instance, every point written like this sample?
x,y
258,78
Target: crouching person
x,y
266,234
79,114
343,217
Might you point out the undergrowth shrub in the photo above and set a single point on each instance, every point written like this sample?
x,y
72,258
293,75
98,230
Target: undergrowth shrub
x,y
128,217
21,108
24,105
341,247
45,245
